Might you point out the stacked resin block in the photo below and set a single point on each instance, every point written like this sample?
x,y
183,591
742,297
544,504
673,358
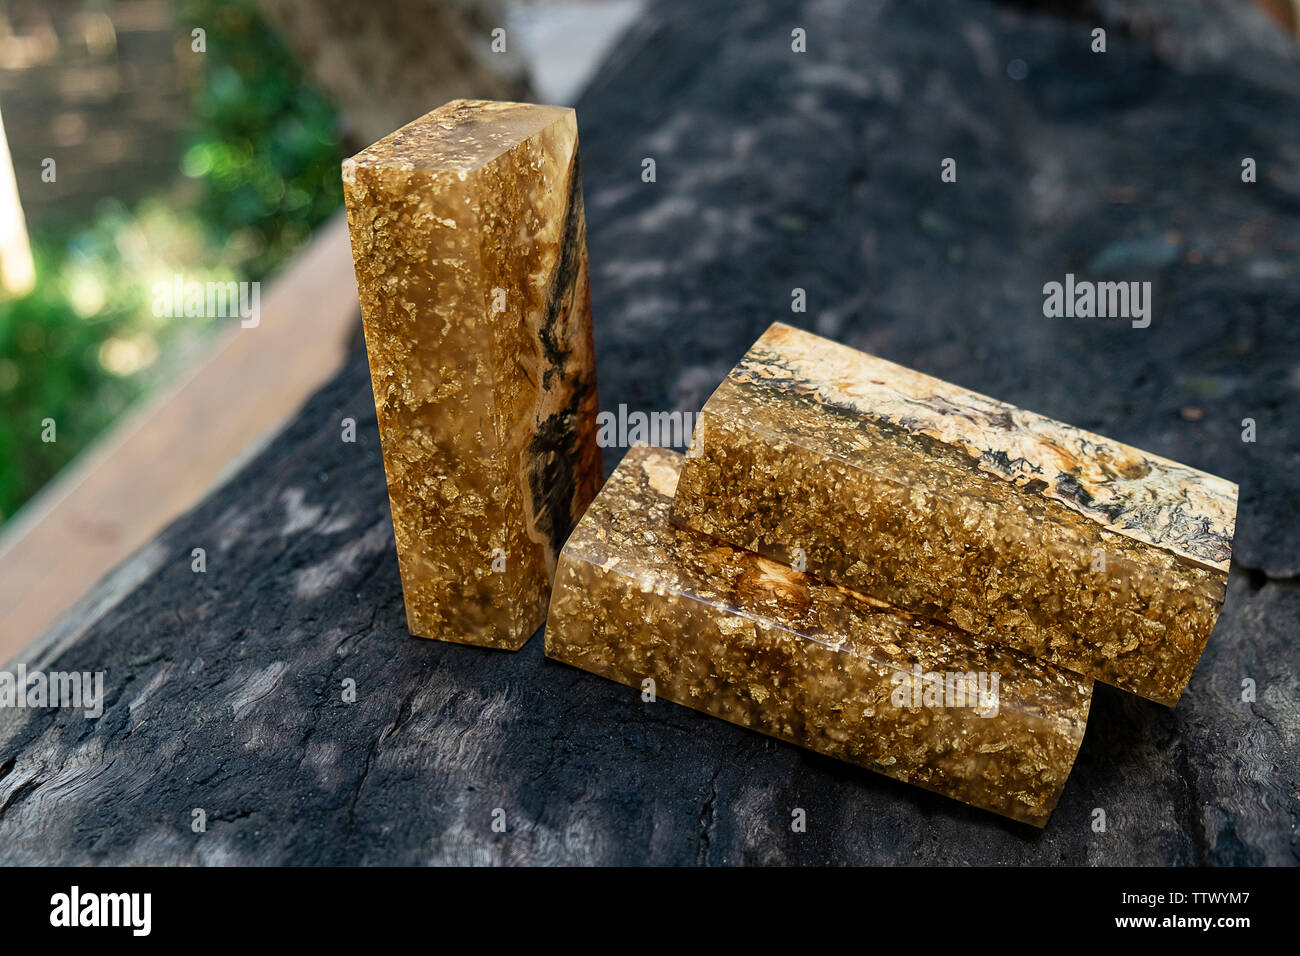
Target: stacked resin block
x,y
1080,551
965,570
470,246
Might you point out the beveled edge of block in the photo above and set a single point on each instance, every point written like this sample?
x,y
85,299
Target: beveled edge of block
x,y
1145,497
458,137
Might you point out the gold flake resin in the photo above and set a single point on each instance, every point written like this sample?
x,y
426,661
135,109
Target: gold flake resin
x,y
1090,554
469,241
732,634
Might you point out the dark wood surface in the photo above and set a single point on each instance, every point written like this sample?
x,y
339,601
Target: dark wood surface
x,y
775,170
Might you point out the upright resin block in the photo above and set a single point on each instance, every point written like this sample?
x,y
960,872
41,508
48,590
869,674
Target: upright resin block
x,y
742,638
470,246
1089,554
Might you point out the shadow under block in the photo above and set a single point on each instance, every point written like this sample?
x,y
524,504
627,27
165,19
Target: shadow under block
x,y
1092,555
740,637
469,240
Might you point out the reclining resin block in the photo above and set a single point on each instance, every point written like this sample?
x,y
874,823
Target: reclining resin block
x,y
470,245
732,634
1092,555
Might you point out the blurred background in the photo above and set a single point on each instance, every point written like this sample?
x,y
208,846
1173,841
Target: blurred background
x,y
146,139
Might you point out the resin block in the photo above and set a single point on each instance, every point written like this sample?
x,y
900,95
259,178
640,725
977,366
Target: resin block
x,y
740,637
469,239
1092,555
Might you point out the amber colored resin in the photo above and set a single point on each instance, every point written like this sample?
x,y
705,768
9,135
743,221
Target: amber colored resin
x,y
470,247
1093,555
740,637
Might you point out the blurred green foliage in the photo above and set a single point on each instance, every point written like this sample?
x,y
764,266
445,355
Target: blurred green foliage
x,y
267,148
263,171
50,369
